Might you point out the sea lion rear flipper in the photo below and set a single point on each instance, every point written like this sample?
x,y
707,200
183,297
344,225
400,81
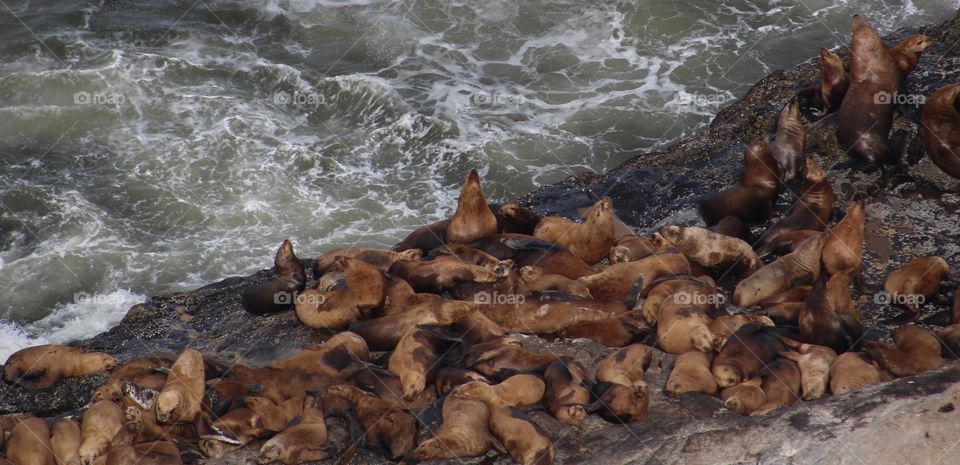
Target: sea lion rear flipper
x,y
529,244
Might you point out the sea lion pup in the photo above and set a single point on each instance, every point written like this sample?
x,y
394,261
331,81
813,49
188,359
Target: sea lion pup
x,y
384,333
40,367
751,199
590,240
448,378
29,443
631,247
387,386
527,250
101,422
182,395
501,268
941,129
617,331
820,323
724,326
683,323
744,398
854,370
834,81
132,371
351,290
381,259
911,285
713,250
425,238
691,373
814,362
865,117
387,428
503,357
745,353
65,440
441,274
465,432
549,317
667,286
473,219
843,246
781,386
276,294
301,442
534,280
614,283
339,357
567,393
917,351
798,268
906,54
787,147
415,359
519,391
812,211
512,218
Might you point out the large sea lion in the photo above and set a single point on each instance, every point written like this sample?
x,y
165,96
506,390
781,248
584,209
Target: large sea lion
x,y
911,285
723,326
843,246
414,361
339,357
29,443
465,432
866,113
917,351
615,282
302,442
473,219
745,353
820,322
798,268
100,424
691,373
660,289
182,395
590,241
683,322
814,362
751,199
712,250
523,439
278,384
425,238
40,367
812,212
940,123
854,370
622,394
401,296
787,148
388,386
351,290
277,294
512,218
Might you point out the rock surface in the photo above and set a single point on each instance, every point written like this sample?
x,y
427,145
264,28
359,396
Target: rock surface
x,y
911,213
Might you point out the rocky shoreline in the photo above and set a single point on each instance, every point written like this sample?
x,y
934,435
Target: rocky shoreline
x,y
911,212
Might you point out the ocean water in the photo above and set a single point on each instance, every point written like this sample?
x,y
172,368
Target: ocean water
x,y
155,146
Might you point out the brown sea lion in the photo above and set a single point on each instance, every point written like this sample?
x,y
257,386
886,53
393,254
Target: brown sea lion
x,y
414,360
744,398
854,370
351,290
7,423
130,372
467,254
724,326
401,296
425,238
124,450
473,219
533,280
751,199
814,362
567,395
441,274
448,378
277,294
617,331
798,268
787,148
625,366
40,367
384,333
301,442
513,218
522,438
916,282
917,350
339,357
387,428
101,422
866,113
906,54
821,322
940,124
381,259
279,385
745,353
521,390
530,316
712,250
590,241
731,226
182,395
151,430
622,394
503,357
950,340
667,286
813,209
239,426
527,250
465,432
477,327
691,373
782,313
29,443
614,283
781,386
274,416
843,246
630,248
785,242
683,322
65,440
834,81
387,386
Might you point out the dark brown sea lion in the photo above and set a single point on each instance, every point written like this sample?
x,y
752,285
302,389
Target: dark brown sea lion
x,y
388,386
798,268
40,367
124,450
745,353
611,332
381,259
448,378
615,282
621,391
813,209
302,442
473,219
425,238
919,280
277,294
529,251
834,81
465,432
350,291
854,370
590,241
917,351
821,322
724,326
691,373
906,54
787,148
515,219
941,129
279,385
751,199
733,227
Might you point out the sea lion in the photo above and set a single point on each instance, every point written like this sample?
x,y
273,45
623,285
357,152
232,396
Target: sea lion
x,y
132,371
386,427
744,398
40,367
124,450
940,123
29,443
854,370
381,259
798,268
425,238
465,253
691,373
473,219
631,247
477,327
683,322
151,430
617,331
277,294
917,350
528,250
351,290
384,333
441,274
182,395
821,323
745,353
622,394
751,199
955,309
274,416
834,81
339,357
65,440
238,427
814,362
100,424
7,423
811,212
724,326
513,218
781,386
301,442
731,226
625,366
503,357
567,395
279,385
919,280
401,296
785,242
414,361
906,54
387,386
787,147
448,378
465,432
522,438
614,283
865,116
785,313
530,316
950,340
533,280
667,286
520,391
590,240
713,250
843,246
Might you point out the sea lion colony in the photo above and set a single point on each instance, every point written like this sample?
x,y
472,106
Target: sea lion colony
x,y
446,301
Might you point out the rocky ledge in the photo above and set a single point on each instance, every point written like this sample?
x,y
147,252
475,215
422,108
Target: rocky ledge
x,y
911,212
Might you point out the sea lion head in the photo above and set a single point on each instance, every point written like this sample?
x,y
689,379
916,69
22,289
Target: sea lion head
x,y
917,43
702,339
601,210
619,254
412,255
573,414
727,375
502,268
531,273
166,404
672,234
